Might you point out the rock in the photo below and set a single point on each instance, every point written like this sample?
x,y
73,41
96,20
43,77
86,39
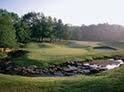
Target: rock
x,y
86,64
86,71
32,66
66,69
94,70
69,74
81,72
79,64
111,59
72,68
59,74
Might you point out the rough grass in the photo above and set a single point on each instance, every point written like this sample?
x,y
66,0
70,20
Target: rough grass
x,y
109,81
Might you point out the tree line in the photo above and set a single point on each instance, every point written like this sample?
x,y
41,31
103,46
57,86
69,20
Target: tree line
x,y
29,27
38,27
99,32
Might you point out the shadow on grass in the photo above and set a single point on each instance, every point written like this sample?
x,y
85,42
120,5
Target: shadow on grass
x,y
25,61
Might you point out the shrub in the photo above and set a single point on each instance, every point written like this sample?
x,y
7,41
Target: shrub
x,y
2,55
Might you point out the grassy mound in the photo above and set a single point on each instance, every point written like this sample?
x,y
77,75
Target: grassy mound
x,y
40,45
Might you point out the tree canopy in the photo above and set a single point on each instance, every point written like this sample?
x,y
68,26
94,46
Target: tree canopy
x,y
37,27
7,32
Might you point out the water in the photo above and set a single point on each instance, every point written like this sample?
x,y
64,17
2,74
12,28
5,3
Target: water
x,y
104,49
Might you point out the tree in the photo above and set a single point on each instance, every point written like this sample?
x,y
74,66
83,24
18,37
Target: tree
x,y
65,32
7,32
49,28
22,32
55,28
36,23
60,29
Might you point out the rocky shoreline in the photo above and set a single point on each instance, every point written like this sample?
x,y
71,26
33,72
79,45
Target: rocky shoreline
x,y
68,68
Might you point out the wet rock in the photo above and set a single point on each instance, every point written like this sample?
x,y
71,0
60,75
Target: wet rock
x,y
66,69
58,74
86,71
69,73
72,68
79,64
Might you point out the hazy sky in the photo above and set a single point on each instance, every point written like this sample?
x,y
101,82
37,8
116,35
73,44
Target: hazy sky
x,y
75,12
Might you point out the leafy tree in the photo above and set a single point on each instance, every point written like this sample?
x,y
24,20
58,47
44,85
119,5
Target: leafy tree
x,y
55,28
7,32
49,28
22,32
60,29
65,32
36,23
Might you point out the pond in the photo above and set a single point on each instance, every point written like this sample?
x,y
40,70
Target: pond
x,y
104,48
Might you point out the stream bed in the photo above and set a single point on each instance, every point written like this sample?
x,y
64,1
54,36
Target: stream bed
x,y
68,68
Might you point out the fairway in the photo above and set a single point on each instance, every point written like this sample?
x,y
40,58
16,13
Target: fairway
x,y
45,54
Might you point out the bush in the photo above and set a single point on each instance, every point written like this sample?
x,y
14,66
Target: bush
x,y
17,53
2,55
88,58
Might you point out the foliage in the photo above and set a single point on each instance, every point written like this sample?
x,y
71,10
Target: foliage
x,y
7,32
2,55
100,32
22,32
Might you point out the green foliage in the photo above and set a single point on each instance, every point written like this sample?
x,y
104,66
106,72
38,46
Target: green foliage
x,y
7,32
44,27
2,55
22,32
33,27
45,54
49,28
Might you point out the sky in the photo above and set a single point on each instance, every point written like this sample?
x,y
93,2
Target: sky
x,y
75,12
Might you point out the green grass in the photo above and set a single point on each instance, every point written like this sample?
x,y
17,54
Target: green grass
x,y
109,81
44,54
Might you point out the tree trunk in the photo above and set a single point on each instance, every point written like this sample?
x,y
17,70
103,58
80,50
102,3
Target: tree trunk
x,y
42,39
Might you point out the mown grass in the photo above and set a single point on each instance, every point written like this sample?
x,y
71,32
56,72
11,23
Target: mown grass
x,y
45,54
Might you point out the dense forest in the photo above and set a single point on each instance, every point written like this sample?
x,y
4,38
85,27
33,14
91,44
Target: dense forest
x,y
29,27
38,27
100,32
